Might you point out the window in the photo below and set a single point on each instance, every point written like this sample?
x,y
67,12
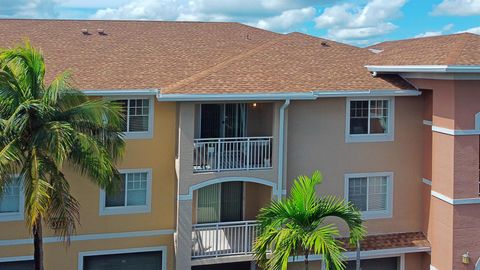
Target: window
x,y
369,120
11,201
371,193
133,195
138,118
221,202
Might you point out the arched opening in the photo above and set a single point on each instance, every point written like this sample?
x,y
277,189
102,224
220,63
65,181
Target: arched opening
x,y
224,215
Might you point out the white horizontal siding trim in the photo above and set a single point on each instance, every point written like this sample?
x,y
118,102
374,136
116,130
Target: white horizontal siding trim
x,y
451,201
16,259
86,237
120,92
427,181
427,122
456,132
367,93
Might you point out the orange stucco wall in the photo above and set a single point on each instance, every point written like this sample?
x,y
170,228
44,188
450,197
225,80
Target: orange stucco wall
x,y
157,154
452,228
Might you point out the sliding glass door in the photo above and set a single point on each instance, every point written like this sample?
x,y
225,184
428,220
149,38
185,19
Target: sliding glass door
x,y
222,120
220,203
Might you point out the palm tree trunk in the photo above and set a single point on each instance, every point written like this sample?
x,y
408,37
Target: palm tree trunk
x,y
306,260
38,244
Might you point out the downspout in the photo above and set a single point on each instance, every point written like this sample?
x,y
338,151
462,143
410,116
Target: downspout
x,y
281,148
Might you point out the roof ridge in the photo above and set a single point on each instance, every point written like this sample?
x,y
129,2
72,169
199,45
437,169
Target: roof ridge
x,y
457,52
204,73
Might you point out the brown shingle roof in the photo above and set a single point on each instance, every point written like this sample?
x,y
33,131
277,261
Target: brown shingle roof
x,y
291,63
132,54
394,240
195,57
456,49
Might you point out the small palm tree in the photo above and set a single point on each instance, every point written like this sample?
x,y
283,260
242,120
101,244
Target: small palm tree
x,y
296,226
42,129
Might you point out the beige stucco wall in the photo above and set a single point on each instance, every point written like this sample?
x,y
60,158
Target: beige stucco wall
x,y
157,154
316,141
184,163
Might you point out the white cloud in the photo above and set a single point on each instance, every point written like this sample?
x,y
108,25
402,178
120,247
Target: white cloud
x,y
29,8
142,9
474,30
287,19
346,22
444,31
458,8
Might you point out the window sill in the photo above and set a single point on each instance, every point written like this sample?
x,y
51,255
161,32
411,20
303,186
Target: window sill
x,y
369,138
109,211
4,217
367,215
137,135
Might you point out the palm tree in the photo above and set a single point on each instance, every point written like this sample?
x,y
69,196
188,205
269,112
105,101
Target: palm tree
x,y
296,226
43,129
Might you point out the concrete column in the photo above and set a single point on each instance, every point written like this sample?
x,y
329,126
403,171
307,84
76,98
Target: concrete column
x,y
183,251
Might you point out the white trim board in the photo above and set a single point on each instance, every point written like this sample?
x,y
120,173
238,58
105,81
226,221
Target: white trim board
x,y
427,181
16,258
441,76
163,249
189,196
452,132
86,237
455,201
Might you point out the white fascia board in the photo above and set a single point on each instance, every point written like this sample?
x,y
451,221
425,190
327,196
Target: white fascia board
x,y
122,92
226,97
424,68
366,93
284,96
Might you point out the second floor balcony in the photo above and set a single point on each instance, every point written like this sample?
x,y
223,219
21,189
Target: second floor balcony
x,y
233,136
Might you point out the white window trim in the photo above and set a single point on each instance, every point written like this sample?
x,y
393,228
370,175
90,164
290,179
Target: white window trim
x,y
133,209
15,216
388,212
389,136
163,249
129,135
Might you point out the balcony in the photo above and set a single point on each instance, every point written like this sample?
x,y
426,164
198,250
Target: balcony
x,y
225,154
223,239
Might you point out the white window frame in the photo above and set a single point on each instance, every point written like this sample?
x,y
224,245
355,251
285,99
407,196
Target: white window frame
x,y
132,209
385,137
163,249
388,212
129,135
15,216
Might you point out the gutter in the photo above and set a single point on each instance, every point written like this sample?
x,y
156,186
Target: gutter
x,y
233,97
281,148
285,96
122,92
424,68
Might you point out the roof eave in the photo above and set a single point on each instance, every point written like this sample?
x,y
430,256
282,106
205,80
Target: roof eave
x,y
423,68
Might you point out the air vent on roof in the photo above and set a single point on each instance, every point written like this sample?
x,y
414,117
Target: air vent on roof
x,y
101,32
325,44
375,50
85,31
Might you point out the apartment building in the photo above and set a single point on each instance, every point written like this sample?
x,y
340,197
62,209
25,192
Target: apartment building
x,y
221,117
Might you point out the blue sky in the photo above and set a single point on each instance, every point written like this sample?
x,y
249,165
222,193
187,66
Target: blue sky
x,y
360,22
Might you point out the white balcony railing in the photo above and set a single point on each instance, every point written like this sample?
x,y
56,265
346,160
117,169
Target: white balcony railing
x,y
226,154
224,239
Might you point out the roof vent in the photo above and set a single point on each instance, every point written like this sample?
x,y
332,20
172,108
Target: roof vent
x,y
325,44
373,50
101,32
85,31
